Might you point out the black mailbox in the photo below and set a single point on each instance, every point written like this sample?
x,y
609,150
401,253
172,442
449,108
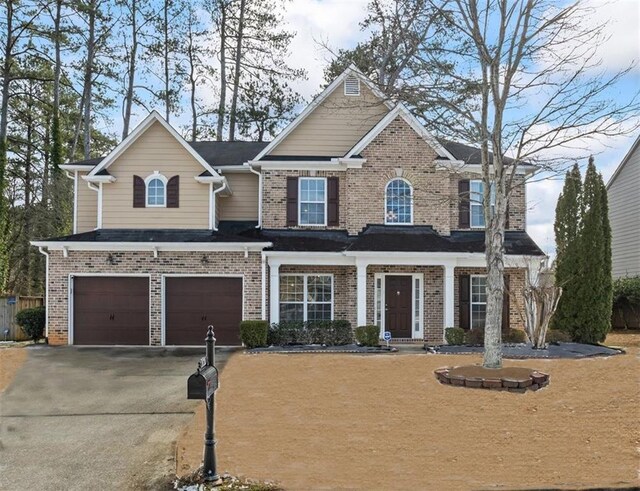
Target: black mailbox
x,y
203,383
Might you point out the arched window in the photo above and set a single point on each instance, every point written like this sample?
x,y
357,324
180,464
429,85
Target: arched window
x,y
399,202
156,190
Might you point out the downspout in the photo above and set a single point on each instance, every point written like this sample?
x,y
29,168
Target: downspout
x,y
95,188
259,174
46,293
214,224
263,307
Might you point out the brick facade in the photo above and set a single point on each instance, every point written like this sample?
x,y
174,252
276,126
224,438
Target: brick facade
x,y
130,262
398,151
516,288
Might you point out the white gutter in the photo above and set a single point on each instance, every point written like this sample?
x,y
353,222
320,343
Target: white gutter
x,y
259,174
46,291
99,179
151,246
214,224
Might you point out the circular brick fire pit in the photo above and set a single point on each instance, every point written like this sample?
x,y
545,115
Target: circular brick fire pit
x,y
513,379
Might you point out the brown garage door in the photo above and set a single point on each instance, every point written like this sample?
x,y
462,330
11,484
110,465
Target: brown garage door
x,y
193,303
110,310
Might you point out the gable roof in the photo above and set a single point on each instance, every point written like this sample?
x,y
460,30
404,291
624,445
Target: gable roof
x,y
626,158
227,153
153,117
402,111
350,71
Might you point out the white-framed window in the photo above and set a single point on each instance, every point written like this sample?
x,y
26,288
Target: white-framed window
x,y
306,297
398,202
478,301
312,201
156,190
476,198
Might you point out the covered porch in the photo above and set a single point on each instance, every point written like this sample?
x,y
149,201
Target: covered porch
x,y
413,295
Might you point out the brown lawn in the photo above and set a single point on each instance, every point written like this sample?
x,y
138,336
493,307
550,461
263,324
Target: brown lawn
x,y
11,359
383,422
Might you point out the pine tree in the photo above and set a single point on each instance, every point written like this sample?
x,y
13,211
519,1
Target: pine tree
x,y
594,290
567,230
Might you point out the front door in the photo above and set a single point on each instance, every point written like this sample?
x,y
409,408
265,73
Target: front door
x,y
398,306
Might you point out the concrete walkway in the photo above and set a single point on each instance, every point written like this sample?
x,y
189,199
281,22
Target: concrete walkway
x,y
95,418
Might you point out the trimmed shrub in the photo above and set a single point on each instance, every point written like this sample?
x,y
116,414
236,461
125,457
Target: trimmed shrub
x,y
474,337
454,335
555,336
368,335
32,321
514,336
254,333
330,333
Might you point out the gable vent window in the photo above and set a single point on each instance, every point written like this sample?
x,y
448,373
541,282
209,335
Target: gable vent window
x,y
352,86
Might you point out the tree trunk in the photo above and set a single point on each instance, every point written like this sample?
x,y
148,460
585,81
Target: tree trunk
x,y
56,150
236,74
88,80
223,70
128,103
494,244
167,98
192,82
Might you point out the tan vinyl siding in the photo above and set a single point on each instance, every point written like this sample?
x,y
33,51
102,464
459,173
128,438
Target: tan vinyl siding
x,y
624,216
243,203
155,150
87,202
335,126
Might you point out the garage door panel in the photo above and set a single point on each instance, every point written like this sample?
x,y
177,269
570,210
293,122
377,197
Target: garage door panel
x,y
111,310
194,303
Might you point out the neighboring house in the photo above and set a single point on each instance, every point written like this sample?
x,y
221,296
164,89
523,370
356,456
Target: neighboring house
x,y
624,214
353,212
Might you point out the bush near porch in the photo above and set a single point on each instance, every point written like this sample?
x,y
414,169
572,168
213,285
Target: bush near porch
x,y
329,333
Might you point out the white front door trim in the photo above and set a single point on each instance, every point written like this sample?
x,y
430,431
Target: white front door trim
x,y
379,296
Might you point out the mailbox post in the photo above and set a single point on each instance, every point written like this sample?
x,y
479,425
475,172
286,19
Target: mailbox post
x,y
202,384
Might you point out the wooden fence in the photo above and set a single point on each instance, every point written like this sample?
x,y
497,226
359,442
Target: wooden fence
x,y
9,307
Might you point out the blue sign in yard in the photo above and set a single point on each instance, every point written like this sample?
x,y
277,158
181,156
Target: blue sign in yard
x,y
12,300
387,336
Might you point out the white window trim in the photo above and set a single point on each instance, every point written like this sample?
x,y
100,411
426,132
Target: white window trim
x,y
386,188
419,334
305,302
481,205
324,224
148,179
471,302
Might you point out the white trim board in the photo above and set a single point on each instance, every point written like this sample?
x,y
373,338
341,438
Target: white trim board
x,y
350,71
152,246
153,117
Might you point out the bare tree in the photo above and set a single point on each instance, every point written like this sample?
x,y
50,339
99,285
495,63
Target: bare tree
x,y
533,67
236,70
541,296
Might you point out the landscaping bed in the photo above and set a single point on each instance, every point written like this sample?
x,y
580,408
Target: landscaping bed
x,y
317,348
524,351
512,379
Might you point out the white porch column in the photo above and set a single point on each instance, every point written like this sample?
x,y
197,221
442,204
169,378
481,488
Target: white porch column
x,y
448,295
362,292
274,292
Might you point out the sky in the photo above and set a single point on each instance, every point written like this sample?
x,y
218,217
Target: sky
x,y
337,22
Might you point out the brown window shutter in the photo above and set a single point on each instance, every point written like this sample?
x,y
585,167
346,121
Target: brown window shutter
x,y
173,192
333,202
139,192
464,300
506,305
292,201
464,220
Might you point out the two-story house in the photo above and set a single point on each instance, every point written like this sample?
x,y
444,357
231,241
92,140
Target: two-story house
x,y
353,212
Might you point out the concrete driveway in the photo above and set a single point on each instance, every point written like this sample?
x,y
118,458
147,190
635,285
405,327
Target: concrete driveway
x,y
95,418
